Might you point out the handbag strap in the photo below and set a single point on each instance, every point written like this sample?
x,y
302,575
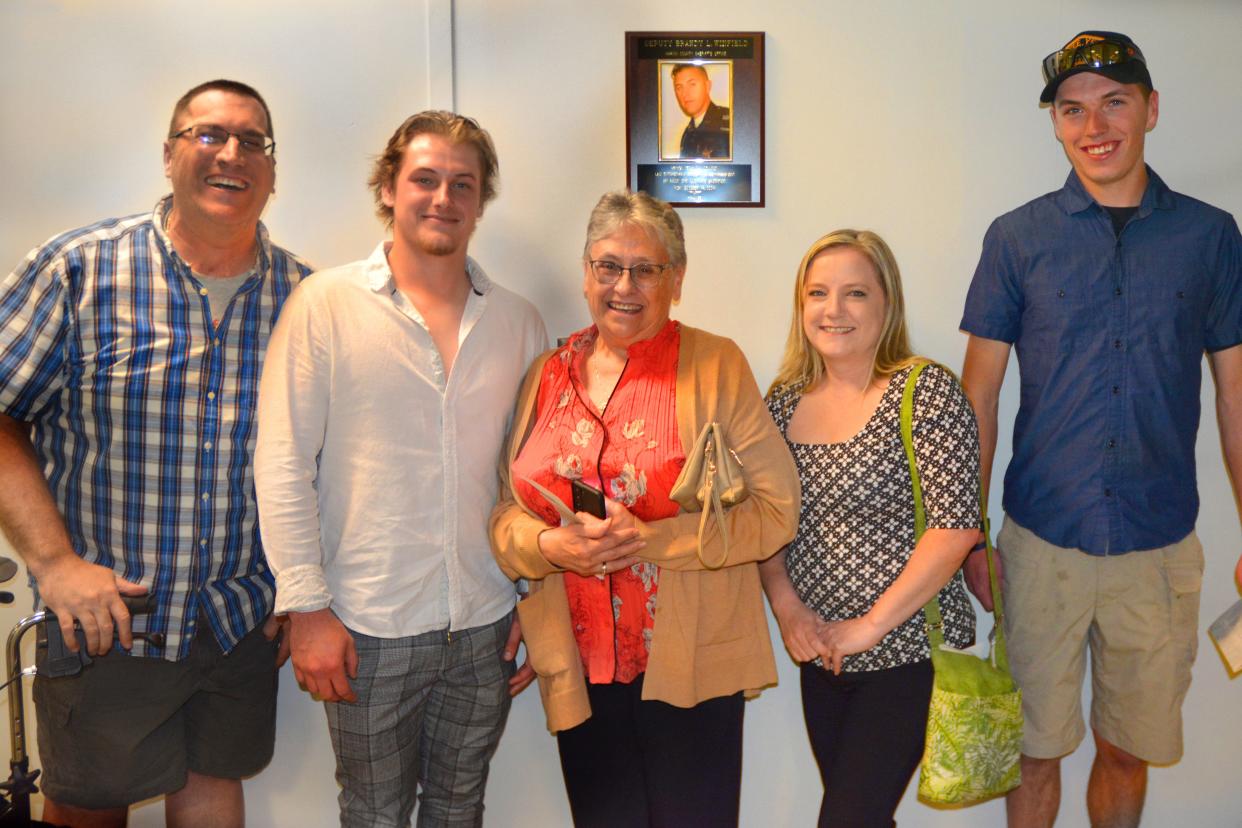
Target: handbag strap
x,y
711,500
935,624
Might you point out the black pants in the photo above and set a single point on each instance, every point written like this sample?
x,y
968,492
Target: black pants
x,y
647,764
867,732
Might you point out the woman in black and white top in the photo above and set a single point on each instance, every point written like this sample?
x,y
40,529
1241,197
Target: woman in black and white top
x,y
848,592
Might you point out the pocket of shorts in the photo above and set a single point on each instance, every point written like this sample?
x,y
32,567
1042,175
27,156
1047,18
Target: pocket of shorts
x,y
57,703
1183,578
1183,572
1183,566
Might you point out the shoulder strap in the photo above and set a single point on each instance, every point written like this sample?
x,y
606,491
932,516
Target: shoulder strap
x,y
931,610
907,442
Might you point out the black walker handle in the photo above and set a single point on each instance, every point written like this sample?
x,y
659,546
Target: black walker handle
x,y
53,657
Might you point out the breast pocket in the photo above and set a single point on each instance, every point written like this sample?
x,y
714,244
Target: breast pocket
x,y
1062,315
1169,314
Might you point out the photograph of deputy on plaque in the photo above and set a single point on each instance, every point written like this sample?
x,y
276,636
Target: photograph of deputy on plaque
x,y
695,110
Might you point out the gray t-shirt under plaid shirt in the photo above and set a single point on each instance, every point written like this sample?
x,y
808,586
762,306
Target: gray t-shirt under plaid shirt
x,y
856,529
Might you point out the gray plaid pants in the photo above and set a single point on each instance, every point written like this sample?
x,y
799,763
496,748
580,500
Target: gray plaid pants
x,y
429,716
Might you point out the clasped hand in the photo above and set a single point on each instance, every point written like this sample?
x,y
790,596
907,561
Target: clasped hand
x,y
594,546
807,636
842,638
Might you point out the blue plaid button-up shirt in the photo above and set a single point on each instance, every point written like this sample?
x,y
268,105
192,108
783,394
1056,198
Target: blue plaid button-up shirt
x,y
143,415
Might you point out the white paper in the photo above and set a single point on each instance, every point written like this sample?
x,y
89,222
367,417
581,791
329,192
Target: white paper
x,y
1226,632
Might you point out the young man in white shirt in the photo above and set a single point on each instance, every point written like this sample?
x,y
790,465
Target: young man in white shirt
x,y
385,399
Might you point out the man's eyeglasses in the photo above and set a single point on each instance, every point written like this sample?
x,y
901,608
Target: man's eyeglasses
x,y
645,275
1097,55
211,136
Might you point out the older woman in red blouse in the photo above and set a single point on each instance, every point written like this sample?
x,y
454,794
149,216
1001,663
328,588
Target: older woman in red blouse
x,y
643,656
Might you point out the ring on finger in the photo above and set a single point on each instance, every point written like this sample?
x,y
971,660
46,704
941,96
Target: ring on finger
x,y
603,568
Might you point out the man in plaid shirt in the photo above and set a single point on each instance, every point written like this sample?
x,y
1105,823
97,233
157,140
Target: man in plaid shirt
x,y
130,354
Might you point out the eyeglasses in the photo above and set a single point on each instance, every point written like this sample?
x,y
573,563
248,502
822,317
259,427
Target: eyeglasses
x,y
1098,54
645,275
210,136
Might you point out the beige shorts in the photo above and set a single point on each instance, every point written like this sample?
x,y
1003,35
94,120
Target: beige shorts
x,y
1138,612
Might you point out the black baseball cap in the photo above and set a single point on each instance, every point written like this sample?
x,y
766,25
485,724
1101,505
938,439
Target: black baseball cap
x,y
1110,54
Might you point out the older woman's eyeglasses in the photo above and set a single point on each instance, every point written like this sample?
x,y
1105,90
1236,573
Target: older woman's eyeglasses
x,y
210,136
644,274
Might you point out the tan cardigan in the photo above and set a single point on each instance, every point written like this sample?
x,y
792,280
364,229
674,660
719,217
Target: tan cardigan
x,y
710,636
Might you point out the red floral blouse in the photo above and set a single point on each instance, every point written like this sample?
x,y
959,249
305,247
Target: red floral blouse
x,y
634,445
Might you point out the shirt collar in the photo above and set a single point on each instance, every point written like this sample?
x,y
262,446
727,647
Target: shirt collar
x,y
160,219
648,348
379,274
642,350
1074,198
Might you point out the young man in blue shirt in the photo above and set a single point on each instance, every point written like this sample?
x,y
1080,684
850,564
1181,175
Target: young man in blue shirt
x,y
1110,290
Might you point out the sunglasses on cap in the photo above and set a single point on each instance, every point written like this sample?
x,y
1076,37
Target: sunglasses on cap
x,y
1095,54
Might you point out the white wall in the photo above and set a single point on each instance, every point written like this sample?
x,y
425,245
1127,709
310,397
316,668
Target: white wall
x,y
917,120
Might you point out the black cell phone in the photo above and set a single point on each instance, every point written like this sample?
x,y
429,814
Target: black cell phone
x,y
588,499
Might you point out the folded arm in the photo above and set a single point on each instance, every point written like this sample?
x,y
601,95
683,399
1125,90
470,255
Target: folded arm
x,y
768,518
938,554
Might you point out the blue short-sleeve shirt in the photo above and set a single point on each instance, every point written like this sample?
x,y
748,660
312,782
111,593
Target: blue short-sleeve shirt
x,y
1109,333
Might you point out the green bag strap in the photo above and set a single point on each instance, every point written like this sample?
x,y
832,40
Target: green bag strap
x,y
931,610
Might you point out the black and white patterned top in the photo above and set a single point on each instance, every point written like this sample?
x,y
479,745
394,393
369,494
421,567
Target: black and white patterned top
x,y
856,530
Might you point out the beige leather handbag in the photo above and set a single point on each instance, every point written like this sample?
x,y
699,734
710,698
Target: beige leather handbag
x,y
710,481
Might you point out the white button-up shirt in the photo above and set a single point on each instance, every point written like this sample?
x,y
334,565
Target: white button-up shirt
x,y
376,471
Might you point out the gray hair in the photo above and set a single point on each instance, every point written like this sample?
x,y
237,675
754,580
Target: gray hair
x,y
622,207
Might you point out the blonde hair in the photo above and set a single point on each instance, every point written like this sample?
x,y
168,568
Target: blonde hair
x,y
802,366
458,129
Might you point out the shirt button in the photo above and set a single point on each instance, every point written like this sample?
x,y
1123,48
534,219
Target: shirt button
x,y
1108,492
1116,389
1112,444
1061,294
206,496
202,291
1117,344
1181,294
211,395
217,343
202,541
207,445
1117,292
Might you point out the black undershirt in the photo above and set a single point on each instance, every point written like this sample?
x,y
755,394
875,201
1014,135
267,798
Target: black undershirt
x,y
1120,215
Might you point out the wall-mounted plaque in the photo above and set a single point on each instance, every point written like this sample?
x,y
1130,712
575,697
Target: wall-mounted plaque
x,y
694,117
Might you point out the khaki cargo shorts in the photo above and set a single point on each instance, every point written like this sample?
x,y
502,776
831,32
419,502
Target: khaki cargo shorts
x,y
1138,613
